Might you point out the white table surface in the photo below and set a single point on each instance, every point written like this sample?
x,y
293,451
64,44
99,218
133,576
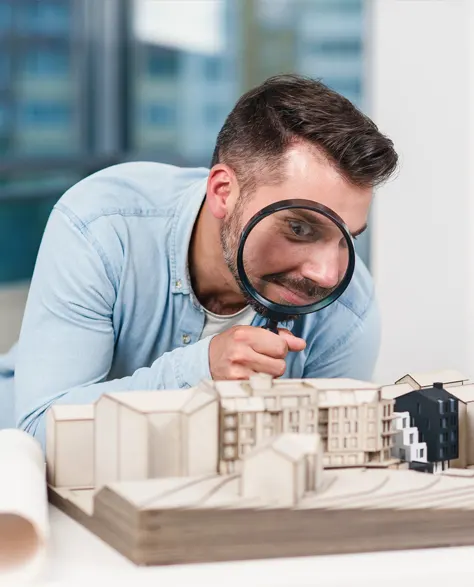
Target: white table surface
x,y
77,557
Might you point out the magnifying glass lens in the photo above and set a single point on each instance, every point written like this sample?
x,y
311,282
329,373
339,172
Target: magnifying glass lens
x,y
296,257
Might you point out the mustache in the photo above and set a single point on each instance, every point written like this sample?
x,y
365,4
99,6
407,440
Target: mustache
x,y
303,286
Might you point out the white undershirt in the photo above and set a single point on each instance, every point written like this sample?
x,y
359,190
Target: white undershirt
x,y
215,324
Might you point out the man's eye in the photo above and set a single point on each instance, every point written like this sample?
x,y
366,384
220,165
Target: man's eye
x,y
300,228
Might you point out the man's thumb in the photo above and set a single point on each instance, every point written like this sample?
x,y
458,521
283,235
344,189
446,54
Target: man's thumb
x,y
294,343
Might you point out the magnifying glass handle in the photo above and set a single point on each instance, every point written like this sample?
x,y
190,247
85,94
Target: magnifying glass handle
x,y
271,325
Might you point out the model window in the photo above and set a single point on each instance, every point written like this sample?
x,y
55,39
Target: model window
x,y
230,421
230,436
229,452
294,416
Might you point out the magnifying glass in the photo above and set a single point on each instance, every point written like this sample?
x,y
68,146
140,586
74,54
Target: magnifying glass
x,y
294,257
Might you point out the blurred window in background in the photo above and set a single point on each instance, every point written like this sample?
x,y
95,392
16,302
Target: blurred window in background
x,y
87,83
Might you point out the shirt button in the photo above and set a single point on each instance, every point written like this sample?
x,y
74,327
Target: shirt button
x,y
186,338
178,283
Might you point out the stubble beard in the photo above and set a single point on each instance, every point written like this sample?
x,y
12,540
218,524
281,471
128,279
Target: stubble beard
x,y
230,233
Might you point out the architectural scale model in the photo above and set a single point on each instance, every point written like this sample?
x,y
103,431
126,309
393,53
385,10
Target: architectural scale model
x,y
269,467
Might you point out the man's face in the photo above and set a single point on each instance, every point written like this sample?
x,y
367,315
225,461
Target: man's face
x,y
295,257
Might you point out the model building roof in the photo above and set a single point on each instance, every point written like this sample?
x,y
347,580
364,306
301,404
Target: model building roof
x,y
225,388
342,384
345,390
427,378
435,393
291,445
348,397
64,412
464,393
243,404
177,400
246,388
396,390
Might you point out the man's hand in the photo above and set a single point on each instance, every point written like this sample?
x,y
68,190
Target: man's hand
x,y
241,351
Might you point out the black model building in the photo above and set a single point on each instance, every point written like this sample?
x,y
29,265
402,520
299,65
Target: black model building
x,y
434,411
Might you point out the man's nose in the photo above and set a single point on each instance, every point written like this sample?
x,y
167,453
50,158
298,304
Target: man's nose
x,y
324,270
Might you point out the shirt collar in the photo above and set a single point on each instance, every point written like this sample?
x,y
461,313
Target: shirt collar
x,y
183,223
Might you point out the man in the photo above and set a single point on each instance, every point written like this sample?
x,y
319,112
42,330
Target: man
x,y
135,285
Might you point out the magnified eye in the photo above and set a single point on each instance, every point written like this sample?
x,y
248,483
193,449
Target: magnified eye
x,y
300,229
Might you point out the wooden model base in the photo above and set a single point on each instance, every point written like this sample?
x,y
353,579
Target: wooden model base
x,y
192,520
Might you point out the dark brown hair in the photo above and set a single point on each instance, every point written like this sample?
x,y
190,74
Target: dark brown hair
x,y
286,109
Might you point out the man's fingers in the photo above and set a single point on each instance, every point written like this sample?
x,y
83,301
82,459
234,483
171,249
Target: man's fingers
x,y
262,341
258,363
294,343
268,343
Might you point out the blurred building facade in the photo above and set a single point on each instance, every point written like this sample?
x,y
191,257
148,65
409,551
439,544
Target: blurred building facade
x,y
53,51
39,82
87,81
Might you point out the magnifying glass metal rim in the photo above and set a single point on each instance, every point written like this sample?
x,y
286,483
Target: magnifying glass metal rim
x,y
280,311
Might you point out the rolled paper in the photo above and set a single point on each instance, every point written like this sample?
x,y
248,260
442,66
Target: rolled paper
x,y
24,522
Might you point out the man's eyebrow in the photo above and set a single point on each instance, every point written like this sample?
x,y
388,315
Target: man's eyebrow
x,y
313,218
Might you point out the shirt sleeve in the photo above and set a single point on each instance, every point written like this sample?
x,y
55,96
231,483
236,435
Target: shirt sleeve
x,y
66,344
355,352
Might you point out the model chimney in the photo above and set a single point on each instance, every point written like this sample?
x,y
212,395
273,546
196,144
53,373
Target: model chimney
x,y
260,381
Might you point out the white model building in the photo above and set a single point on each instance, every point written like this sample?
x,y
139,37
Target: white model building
x,y
70,446
355,427
254,410
406,443
352,418
151,434
283,469
448,377
211,428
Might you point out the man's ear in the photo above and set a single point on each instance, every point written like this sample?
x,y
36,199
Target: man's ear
x,y
222,190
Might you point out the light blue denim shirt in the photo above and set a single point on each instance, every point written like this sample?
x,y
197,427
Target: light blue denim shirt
x,y
111,308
